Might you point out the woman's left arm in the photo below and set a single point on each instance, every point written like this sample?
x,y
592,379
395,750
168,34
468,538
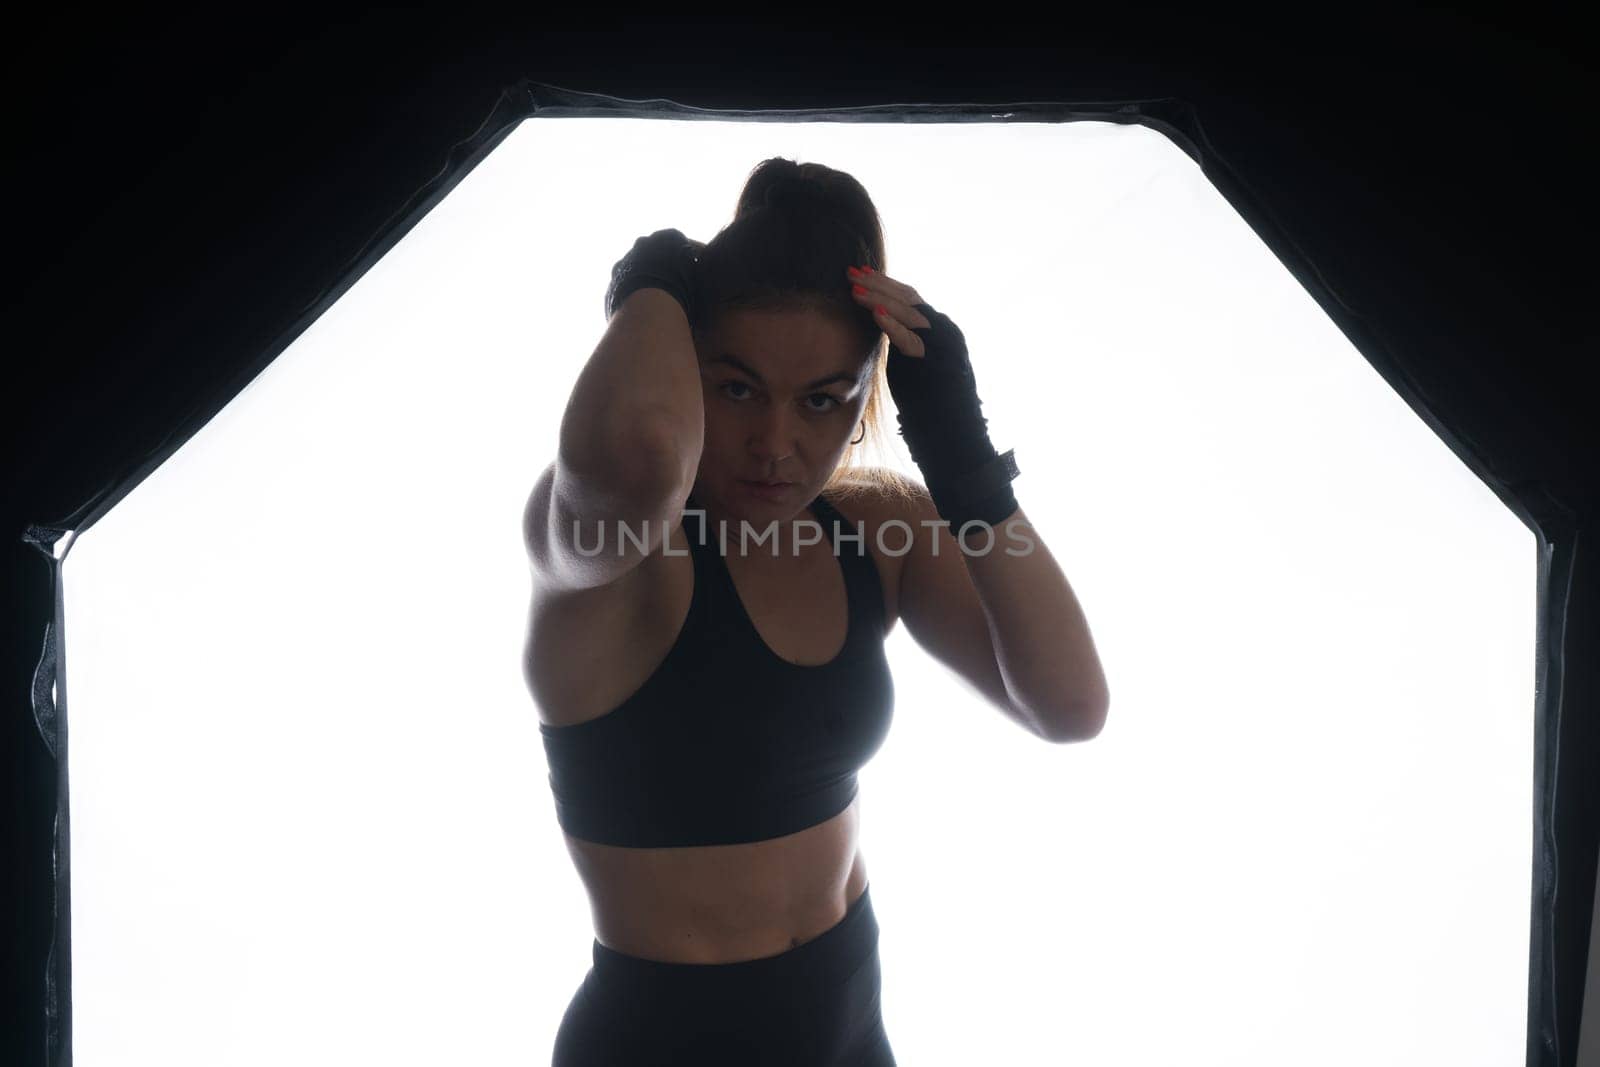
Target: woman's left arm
x,y
1042,643
1003,616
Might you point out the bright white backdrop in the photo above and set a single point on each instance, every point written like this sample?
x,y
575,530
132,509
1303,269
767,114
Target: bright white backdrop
x,y
310,818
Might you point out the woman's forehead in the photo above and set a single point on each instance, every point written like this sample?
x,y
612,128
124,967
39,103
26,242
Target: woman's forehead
x,y
786,346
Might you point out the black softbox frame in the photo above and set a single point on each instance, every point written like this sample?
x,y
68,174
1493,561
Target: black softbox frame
x,y
1563,822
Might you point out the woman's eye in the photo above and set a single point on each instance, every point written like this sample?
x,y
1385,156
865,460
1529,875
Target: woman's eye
x,y
829,402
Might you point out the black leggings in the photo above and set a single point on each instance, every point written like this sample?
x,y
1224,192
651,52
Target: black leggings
x,y
816,1004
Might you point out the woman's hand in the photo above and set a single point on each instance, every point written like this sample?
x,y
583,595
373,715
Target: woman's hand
x,y
894,305
663,260
940,415
929,373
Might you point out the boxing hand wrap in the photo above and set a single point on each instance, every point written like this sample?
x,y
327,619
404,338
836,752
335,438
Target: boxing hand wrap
x,y
942,423
664,260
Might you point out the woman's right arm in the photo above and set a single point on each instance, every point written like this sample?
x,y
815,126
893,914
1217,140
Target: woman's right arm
x,y
629,449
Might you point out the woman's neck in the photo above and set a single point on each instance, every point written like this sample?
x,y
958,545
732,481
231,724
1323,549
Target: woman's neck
x,y
767,537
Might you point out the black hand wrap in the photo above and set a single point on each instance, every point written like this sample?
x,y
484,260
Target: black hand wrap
x,y
943,426
663,260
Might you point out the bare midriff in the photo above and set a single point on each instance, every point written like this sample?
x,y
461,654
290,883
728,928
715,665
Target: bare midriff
x,y
723,903
713,903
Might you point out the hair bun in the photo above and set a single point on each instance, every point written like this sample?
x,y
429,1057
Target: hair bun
x,y
797,193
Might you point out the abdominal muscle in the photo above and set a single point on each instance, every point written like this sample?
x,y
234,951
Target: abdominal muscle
x,y
723,903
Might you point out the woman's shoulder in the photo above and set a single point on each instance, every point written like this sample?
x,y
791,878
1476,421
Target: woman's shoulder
x,y
877,493
873,496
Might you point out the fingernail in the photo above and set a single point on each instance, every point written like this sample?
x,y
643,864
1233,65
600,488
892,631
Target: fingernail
x,y
853,272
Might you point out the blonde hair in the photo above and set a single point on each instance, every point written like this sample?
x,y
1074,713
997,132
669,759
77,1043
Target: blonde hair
x,y
853,472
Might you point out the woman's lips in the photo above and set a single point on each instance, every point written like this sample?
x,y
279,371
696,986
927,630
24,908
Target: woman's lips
x,y
766,490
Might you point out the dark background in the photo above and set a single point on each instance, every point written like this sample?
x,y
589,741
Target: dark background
x,y
180,185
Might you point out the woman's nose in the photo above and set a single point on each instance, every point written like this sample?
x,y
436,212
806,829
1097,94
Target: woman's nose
x,y
772,438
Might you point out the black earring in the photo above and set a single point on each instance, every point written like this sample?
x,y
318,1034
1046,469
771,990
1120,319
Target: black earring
x,y
857,441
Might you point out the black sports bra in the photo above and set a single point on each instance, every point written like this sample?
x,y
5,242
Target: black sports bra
x,y
726,741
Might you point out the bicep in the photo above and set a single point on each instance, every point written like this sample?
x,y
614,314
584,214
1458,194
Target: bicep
x,y
941,608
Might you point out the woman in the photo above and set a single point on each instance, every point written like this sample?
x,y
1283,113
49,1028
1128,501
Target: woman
x,y
706,700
